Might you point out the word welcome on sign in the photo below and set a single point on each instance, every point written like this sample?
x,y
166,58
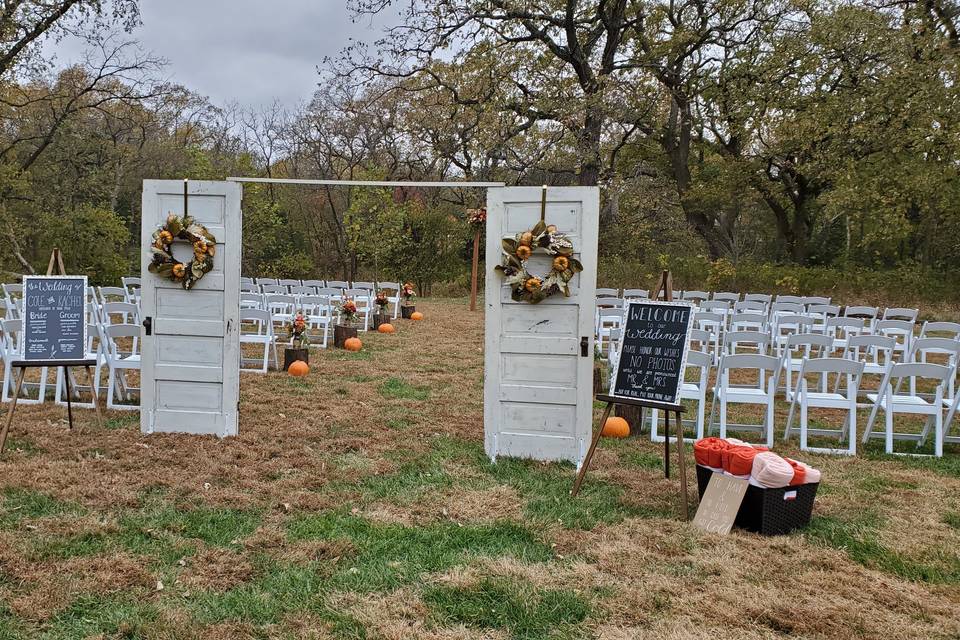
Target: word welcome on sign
x,y
54,318
653,353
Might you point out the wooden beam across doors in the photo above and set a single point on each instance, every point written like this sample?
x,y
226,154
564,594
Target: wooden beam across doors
x,y
369,183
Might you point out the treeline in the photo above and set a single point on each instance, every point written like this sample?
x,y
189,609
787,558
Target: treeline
x,y
726,134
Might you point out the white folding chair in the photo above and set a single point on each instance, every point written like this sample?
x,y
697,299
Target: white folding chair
x,y
696,296
841,329
892,402
940,330
281,308
726,393
720,307
607,292
727,296
251,300
824,367
249,287
319,315
901,331
392,289
316,284
875,352
820,313
119,362
817,301
943,349
11,349
747,342
797,350
338,284
13,294
752,306
749,322
695,390
274,289
787,299
869,314
364,302
764,298
289,282
113,294
636,294
784,326
132,285
267,281
256,327
901,313
714,324
608,323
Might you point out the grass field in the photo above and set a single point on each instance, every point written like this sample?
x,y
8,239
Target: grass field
x,y
358,503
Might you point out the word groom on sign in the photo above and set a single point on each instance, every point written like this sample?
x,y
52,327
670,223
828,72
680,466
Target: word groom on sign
x,y
653,352
54,317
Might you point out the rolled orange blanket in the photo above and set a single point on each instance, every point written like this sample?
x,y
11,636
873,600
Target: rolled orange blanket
x,y
739,460
771,471
807,473
708,451
799,472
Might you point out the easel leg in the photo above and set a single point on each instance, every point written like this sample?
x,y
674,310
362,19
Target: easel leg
x,y
666,444
682,465
66,376
589,456
96,397
13,407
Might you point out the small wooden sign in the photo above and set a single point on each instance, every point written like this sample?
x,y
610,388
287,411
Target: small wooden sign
x,y
653,353
720,504
54,318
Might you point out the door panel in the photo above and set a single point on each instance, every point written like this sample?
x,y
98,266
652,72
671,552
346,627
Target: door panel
x,y
538,388
190,376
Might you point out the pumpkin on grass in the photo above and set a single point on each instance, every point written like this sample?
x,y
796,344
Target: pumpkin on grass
x,y
386,327
352,344
416,315
298,368
615,427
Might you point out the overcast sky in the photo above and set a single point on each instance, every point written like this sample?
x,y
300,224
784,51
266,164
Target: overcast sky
x,y
245,51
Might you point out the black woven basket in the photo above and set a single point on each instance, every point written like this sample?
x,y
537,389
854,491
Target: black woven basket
x,y
770,512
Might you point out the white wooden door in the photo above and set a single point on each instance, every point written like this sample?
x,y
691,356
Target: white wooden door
x,y
538,384
190,378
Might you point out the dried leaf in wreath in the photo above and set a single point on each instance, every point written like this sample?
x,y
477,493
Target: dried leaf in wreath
x,y
538,228
509,245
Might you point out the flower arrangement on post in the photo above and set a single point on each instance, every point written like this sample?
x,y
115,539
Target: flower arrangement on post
x,y
299,348
382,316
299,339
407,292
382,302
345,330
347,311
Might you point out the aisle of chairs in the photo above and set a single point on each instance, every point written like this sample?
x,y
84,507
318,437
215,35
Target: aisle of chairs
x,y
756,349
113,319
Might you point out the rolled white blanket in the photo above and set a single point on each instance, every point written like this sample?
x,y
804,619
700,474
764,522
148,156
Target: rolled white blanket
x,y
771,471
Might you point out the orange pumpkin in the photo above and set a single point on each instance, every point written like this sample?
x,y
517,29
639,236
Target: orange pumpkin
x,y
298,368
416,315
386,327
616,428
352,344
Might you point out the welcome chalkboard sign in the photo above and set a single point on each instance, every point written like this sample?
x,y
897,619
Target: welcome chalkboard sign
x,y
653,352
54,318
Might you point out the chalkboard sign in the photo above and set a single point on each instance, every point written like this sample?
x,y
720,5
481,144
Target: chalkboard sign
x,y
653,352
54,318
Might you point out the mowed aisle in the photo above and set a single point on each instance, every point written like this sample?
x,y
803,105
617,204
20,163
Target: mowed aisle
x,y
357,502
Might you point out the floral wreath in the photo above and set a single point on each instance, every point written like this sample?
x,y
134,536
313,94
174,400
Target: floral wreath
x,y
516,252
204,248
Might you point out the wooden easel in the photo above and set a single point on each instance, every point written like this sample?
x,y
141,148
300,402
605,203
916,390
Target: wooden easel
x,y
56,259
665,287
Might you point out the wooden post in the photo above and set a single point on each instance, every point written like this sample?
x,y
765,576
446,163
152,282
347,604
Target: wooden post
x,y
681,463
475,270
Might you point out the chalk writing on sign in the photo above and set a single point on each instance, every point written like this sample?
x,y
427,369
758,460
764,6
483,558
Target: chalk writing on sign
x,y
653,352
54,317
